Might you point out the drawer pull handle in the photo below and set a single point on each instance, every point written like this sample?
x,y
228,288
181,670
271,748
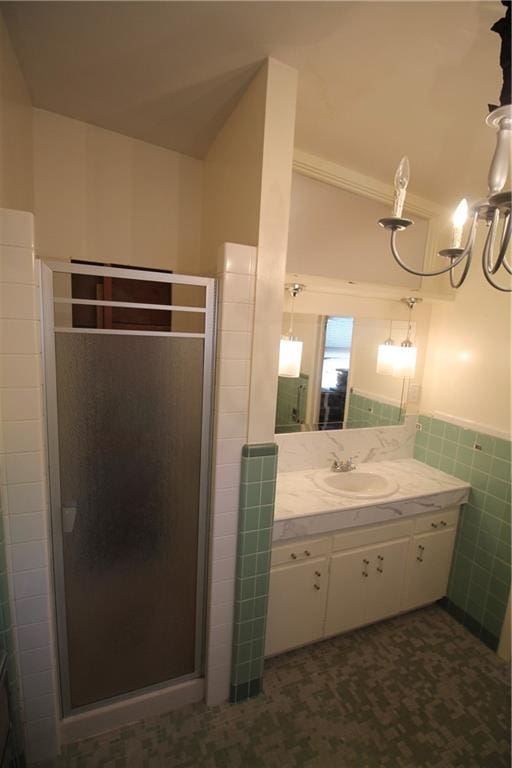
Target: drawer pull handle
x,y
307,552
293,556
365,561
379,557
365,574
433,525
380,570
420,553
316,587
443,523
317,573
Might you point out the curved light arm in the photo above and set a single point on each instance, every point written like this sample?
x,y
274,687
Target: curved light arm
x,y
505,242
491,282
487,267
458,283
453,263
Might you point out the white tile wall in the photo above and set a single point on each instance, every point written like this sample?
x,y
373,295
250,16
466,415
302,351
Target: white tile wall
x,y
23,483
236,308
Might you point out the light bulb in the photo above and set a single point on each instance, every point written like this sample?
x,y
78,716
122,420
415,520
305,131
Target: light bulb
x,y
458,221
401,181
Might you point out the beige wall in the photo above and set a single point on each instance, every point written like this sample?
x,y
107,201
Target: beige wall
x,y
467,370
232,176
276,179
247,178
101,196
334,233
16,184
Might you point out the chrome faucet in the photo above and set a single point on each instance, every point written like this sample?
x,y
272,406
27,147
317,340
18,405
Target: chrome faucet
x,y
340,465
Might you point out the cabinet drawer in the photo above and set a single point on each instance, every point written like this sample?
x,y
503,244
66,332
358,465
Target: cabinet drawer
x,y
305,549
438,522
363,537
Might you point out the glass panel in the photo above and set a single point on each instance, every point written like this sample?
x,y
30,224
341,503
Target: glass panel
x,y
130,410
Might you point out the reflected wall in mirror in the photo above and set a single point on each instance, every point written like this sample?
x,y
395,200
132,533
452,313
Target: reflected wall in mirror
x,y
338,386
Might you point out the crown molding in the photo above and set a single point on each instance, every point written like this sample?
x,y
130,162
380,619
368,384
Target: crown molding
x,y
331,173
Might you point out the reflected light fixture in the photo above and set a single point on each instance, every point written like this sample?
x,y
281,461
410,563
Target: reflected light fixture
x,y
386,354
290,349
494,210
399,360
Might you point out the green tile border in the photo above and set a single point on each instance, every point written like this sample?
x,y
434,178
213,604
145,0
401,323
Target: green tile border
x,y
480,577
259,449
256,516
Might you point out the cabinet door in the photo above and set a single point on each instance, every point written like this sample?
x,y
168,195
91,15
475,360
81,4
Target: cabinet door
x,y
430,558
348,588
386,581
296,605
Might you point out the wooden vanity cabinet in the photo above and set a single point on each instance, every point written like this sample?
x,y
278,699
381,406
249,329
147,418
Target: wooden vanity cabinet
x,y
297,594
296,606
430,559
365,585
322,587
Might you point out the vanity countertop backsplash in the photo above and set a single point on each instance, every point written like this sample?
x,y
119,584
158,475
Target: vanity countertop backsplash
x,y
303,506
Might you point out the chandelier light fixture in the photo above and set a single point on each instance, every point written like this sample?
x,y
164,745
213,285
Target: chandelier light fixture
x,y
290,348
494,210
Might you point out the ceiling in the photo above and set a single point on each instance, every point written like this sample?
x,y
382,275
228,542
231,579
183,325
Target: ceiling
x,y
376,79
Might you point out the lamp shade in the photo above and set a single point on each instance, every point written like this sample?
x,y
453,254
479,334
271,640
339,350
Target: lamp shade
x,y
290,357
385,358
405,362
398,361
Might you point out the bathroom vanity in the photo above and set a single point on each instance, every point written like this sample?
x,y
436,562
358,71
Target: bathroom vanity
x,y
341,559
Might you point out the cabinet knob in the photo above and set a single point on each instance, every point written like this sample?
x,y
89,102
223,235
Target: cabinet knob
x,y
365,574
293,556
366,562
380,570
379,557
307,552
316,586
421,547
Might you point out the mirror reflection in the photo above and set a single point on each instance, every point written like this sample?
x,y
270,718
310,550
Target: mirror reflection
x,y
342,382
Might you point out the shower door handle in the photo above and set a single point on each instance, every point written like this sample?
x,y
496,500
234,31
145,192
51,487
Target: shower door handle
x,y
68,518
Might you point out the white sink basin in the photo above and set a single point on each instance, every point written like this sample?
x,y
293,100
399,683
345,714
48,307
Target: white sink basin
x,y
356,484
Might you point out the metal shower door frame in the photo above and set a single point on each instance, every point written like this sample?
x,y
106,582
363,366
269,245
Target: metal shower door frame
x,y
48,330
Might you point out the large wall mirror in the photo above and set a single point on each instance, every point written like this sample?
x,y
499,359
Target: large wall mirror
x,y
336,249
338,386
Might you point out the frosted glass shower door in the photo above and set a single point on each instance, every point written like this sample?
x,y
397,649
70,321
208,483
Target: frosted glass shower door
x,y
130,439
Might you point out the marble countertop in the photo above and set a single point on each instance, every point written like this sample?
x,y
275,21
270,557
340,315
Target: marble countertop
x,y
302,508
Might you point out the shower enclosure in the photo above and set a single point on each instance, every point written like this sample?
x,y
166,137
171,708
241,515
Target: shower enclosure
x,y
128,378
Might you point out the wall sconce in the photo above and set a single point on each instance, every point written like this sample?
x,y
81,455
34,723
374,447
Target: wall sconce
x,y
399,360
290,349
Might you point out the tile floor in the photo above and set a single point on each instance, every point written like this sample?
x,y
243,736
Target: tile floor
x,y
417,691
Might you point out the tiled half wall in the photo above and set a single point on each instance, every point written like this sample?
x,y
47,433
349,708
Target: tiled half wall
x,y
480,579
257,496
370,412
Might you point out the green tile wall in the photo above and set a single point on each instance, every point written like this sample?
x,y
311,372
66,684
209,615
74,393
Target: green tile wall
x,y
365,412
292,397
480,578
257,495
